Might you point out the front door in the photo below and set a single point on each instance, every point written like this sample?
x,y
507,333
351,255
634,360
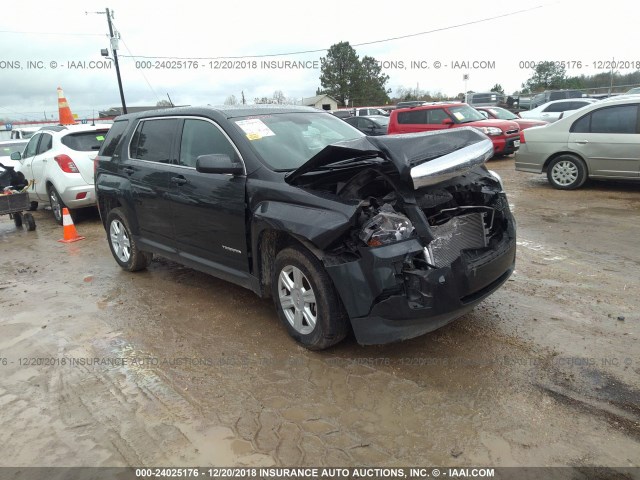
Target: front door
x,y
209,211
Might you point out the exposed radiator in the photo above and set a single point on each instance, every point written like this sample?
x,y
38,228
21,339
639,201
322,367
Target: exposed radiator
x,y
460,233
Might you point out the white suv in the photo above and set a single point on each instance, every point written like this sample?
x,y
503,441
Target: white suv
x,y
59,160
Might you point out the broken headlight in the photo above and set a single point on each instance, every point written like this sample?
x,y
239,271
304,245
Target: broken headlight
x,y
386,227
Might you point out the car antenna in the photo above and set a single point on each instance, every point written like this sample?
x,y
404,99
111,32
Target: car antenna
x,y
170,100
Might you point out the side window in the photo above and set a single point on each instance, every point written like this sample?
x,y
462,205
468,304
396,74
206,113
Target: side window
x,y
620,119
582,125
32,146
437,115
200,137
45,143
576,105
556,107
413,117
113,138
153,139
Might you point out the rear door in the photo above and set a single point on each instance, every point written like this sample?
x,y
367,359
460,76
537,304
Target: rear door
x,y
208,209
147,166
609,140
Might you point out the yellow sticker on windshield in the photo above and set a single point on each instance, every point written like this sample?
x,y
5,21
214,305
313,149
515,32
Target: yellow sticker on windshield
x,y
458,115
254,128
100,138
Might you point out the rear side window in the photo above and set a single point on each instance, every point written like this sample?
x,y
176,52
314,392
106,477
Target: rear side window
x,y
153,139
619,119
412,117
200,137
113,138
85,141
558,107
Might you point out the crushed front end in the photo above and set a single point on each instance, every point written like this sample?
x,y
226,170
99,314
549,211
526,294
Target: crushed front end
x,y
423,252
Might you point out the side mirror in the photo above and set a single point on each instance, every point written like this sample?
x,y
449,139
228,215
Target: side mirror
x,y
15,156
218,163
447,121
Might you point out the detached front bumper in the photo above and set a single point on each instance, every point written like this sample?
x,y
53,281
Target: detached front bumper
x,y
387,303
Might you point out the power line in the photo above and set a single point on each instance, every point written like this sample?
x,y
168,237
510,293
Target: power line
x,y
51,33
450,27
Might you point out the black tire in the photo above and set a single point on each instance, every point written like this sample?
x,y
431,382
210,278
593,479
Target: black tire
x,y
331,322
30,221
567,172
17,219
33,206
122,244
56,204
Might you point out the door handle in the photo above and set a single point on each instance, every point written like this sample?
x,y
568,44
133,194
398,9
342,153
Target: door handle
x,y
582,142
179,180
128,170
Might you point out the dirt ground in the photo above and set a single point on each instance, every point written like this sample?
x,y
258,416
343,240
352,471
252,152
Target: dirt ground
x,y
99,367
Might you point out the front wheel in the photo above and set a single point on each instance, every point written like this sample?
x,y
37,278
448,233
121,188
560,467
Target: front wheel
x,y
567,172
306,300
123,246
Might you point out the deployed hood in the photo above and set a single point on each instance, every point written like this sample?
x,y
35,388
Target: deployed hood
x,y
440,154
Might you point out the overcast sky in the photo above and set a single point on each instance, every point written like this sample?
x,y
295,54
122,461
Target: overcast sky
x,y
564,30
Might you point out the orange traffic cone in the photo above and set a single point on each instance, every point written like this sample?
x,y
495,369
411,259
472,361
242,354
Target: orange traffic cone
x,y
69,230
66,117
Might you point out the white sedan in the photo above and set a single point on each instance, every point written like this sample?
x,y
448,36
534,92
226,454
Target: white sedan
x,y
554,110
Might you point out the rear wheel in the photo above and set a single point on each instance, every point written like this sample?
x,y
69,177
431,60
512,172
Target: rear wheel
x,y
17,219
56,204
33,206
567,172
306,300
123,246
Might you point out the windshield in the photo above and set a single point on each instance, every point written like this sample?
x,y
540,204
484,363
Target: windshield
x,y
465,114
502,114
285,141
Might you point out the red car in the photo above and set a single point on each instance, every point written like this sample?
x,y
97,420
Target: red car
x,y
504,134
500,113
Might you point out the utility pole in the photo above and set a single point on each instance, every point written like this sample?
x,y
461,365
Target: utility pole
x,y
114,47
113,39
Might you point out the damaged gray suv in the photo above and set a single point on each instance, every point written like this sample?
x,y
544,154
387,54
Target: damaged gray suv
x,y
389,236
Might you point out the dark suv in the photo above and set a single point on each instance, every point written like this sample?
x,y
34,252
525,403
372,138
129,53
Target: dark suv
x,y
392,236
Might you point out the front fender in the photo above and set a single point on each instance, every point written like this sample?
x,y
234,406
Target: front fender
x,y
319,226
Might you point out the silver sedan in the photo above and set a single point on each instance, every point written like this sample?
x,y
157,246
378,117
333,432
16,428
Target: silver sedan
x,y
599,141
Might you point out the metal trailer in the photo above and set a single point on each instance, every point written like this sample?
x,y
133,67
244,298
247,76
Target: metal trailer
x,y
13,205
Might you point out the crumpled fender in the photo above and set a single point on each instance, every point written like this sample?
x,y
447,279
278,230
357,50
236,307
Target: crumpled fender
x,y
318,225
